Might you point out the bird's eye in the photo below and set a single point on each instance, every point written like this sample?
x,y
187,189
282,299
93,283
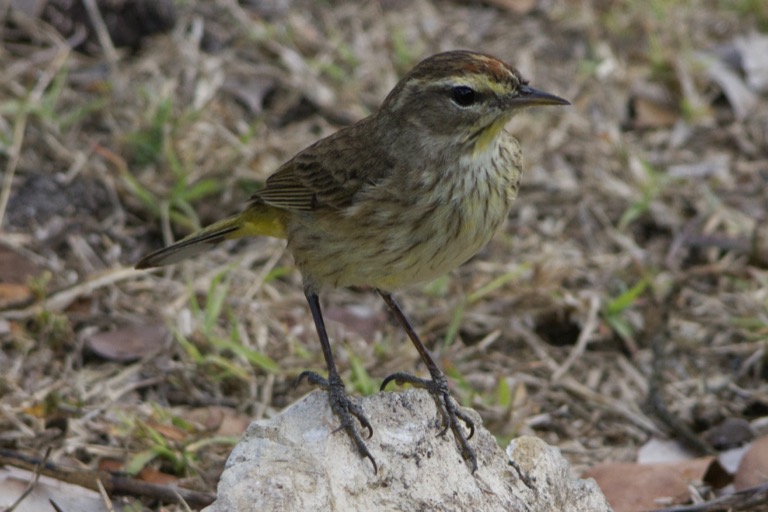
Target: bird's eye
x,y
463,96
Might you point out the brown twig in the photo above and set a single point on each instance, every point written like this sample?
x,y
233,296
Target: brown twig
x,y
37,472
658,322
754,498
114,485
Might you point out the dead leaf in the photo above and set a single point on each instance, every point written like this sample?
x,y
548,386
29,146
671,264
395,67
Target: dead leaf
x,y
250,90
649,114
146,474
110,465
753,50
154,476
15,272
11,294
127,343
14,481
742,100
15,267
170,432
630,487
653,105
731,459
753,469
224,421
731,433
656,451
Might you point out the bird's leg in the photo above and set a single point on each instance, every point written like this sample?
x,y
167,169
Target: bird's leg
x,y
340,403
437,387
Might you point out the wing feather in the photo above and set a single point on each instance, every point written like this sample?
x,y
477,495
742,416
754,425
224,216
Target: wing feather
x,y
328,174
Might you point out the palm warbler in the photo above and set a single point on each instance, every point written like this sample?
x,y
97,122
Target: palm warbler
x,y
401,197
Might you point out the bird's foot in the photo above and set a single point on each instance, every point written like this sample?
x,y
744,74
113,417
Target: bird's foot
x,y
446,405
345,409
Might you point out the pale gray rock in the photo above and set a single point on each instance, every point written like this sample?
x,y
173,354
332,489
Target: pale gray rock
x,y
296,461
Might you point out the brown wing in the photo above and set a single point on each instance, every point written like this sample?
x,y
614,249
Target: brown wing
x,y
330,173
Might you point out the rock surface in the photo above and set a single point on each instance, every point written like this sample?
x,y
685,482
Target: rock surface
x,y
296,461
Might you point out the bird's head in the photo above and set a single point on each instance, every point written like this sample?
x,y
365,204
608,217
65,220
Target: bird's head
x,y
460,97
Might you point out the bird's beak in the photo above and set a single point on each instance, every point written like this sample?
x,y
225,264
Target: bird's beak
x,y
529,97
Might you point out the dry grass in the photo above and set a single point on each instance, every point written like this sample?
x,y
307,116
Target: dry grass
x,y
629,227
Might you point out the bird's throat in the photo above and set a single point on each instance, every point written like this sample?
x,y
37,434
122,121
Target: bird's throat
x,y
487,136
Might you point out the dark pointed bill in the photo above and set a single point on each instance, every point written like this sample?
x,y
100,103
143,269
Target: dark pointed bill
x,y
528,97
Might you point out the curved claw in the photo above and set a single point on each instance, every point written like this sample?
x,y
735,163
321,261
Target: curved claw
x,y
354,435
363,450
358,413
344,409
375,467
467,421
313,378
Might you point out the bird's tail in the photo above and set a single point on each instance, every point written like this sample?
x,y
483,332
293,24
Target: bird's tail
x,y
257,219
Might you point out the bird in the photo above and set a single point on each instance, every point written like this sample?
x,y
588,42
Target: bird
x,y
401,197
